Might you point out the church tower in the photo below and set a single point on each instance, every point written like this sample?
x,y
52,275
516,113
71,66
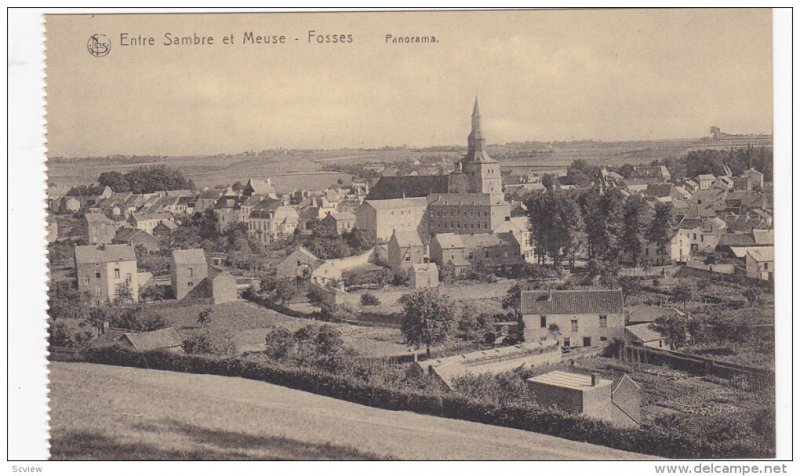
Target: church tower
x,y
482,173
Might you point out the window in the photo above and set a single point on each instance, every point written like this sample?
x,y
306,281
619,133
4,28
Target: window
x,y
603,339
86,280
566,342
97,275
116,273
542,321
587,341
574,325
765,266
408,258
127,277
190,284
603,321
190,271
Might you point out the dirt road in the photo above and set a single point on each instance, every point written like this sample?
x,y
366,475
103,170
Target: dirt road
x,y
100,411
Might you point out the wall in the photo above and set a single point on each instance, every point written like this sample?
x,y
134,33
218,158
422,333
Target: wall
x,y
588,326
721,268
569,400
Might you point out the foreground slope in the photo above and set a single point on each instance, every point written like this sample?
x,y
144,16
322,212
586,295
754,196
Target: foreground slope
x,y
107,412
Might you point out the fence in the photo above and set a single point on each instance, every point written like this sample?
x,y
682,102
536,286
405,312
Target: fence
x,y
692,363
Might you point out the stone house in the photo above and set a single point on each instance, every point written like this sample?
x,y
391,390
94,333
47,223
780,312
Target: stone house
x,y
136,237
425,275
405,249
97,228
576,318
107,272
188,269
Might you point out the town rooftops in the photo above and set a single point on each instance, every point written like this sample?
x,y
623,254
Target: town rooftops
x,y
342,216
408,186
736,239
559,378
104,253
127,234
192,256
151,216
595,301
153,340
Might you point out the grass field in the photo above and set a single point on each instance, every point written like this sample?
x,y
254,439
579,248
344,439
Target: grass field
x,y
107,412
248,324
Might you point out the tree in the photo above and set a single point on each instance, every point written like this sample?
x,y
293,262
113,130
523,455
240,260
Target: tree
x,y
673,328
115,180
548,181
138,319
683,292
554,221
631,237
204,317
661,230
513,299
428,319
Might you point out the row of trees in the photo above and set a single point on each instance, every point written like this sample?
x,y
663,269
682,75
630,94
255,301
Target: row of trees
x,y
612,224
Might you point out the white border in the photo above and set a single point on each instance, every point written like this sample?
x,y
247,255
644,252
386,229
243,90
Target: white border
x,y
27,421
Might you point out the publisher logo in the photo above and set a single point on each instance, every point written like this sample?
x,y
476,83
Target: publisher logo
x,y
98,45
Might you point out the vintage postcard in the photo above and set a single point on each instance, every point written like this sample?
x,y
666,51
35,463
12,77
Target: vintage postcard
x,y
430,235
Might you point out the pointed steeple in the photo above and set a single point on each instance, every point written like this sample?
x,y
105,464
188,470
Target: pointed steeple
x,y
475,139
475,110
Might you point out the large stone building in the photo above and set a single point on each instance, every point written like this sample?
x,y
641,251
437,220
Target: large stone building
x,y
468,201
107,272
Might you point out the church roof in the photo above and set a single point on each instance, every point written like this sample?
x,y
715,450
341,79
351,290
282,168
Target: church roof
x,y
408,187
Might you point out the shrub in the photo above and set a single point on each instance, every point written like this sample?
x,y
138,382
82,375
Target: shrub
x,y
368,299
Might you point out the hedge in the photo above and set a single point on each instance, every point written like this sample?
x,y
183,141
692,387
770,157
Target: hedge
x,y
523,417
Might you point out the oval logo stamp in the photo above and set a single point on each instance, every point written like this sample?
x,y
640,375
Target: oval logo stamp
x,y
98,45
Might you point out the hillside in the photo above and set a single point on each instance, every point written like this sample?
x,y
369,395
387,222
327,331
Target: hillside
x,y
106,412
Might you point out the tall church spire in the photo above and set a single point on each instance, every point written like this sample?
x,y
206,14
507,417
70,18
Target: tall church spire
x,y
475,139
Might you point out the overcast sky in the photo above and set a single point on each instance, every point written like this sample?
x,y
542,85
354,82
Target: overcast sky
x,y
544,75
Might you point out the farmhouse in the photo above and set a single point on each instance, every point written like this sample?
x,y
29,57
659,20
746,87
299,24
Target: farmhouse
x,y
574,317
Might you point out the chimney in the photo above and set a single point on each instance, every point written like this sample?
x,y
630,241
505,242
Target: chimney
x,y
595,379
549,294
106,325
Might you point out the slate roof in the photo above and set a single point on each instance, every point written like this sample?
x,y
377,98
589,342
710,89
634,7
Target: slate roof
x,y
151,216
192,256
600,301
658,190
95,217
104,253
265,208
409,186
154,340
262,187
125,235
397,203
736,239
764,237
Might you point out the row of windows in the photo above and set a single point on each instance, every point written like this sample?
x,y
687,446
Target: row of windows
x,y
587,341
452,214
458,226
573,322
116,276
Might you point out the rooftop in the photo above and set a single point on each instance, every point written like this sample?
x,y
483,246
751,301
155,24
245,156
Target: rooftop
x,y
559,378
596,301
192,256
408,186
104,253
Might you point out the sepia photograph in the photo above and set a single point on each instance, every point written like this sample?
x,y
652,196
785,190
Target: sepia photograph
x,y
411,235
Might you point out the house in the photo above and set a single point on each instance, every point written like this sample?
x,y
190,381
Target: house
x,y
107,272
221,286
618,402
381,218
164,229
760,263
326,274
754,178
491,361
136,237
259,187
424,275
188,269
298,264
644,335
270,220
573,317
52,229
97,228
340,222
162,339
705,181
447,250
405,249
148,221
206,200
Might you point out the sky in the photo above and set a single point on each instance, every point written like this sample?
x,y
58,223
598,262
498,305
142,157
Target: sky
x,y
539,75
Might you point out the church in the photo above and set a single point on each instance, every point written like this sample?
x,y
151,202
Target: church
x,y
468,201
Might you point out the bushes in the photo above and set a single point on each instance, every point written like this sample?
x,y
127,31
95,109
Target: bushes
x,y
528,417
368,299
